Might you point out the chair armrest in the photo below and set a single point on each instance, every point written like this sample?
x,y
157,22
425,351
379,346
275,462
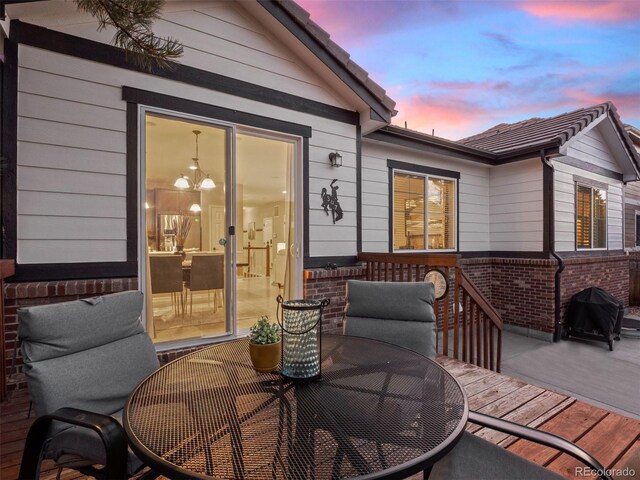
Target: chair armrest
x,y
109,429
538,436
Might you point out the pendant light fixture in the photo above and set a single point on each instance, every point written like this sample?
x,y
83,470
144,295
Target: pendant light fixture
x,y
199,180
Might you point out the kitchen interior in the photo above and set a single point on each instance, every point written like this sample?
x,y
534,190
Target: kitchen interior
x,y
185,221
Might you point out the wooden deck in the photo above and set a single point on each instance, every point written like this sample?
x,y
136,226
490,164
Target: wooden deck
x,y
613,439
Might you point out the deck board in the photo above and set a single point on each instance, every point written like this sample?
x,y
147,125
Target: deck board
x,y
613,439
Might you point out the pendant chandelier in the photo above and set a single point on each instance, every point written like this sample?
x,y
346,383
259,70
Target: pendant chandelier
x,y
199,180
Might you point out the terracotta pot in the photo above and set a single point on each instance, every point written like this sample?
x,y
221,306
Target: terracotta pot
x,y
265,358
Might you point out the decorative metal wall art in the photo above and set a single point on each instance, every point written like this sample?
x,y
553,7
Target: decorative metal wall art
x,y
331,202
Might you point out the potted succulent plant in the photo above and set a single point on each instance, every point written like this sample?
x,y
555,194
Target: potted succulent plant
x,y
264,345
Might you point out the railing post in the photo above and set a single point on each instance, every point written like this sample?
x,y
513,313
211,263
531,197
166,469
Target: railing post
x,y
456,329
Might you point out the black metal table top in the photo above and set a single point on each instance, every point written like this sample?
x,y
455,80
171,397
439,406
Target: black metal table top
x,y
379,411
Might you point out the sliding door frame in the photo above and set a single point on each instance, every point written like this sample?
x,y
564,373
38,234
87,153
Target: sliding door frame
x,y
230,212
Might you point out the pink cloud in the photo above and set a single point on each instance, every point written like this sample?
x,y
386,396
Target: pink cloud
x,y
351,23
450,116
572,11
627,104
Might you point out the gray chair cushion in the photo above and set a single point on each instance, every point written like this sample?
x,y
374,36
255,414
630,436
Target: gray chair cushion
x,y
476,459
55,330
85,354
417,336
409,301
399,313
76,447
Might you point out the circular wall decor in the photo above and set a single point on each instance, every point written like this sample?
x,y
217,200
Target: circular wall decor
x,y
439,280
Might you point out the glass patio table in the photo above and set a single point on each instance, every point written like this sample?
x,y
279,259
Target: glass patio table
x,y
379,411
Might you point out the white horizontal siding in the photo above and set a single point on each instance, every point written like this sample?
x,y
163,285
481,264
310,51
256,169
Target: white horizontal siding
x,y
564,192
517,207
72,157
38,251
590,146
217,37
473,206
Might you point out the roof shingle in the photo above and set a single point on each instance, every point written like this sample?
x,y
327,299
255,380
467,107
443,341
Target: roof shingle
x,y
319,34
506,137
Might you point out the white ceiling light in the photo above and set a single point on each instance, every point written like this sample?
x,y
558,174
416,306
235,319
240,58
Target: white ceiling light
x,y
199,180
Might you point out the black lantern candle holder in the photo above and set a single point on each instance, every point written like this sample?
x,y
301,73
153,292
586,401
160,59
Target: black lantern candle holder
x,y
301,325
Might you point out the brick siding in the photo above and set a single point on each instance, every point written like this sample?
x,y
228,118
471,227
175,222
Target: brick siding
x,y
609,273
331,284
522,290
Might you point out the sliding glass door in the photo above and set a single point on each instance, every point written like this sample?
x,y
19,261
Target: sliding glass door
x,y
218,223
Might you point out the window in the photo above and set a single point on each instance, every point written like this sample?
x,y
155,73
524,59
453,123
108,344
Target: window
x,y
591,217
424,212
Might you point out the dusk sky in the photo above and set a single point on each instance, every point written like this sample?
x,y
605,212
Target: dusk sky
x,y
460,67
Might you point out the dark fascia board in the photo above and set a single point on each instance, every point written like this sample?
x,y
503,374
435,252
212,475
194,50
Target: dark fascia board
x,y
505,254
412,167
51,40
9,150
424,144
168,102
592,254
43,272
589,167
320,51
338,261
528,153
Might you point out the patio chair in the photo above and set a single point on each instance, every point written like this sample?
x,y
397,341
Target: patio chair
x,y
82,359
207,273
393,312
401,313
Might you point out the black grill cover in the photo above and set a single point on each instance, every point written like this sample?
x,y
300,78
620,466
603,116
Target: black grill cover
x,y
594,310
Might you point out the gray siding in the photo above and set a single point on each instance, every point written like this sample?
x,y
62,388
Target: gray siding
x,y
473,186
590,146
564,186
72,165
517,207
217,37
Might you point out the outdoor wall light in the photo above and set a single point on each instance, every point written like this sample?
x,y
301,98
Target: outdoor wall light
x,y
336,159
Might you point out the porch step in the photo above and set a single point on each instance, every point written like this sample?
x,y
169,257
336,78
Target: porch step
x,y
631,321
630,326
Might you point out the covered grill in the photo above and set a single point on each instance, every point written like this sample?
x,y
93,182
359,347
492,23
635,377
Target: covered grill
x,y
595,314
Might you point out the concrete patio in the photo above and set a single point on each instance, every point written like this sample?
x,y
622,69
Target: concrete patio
x,y
584,369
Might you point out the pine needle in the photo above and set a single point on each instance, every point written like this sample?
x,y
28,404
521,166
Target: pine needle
x,y
133,20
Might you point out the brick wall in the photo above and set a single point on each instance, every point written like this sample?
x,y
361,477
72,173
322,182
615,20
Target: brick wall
x,y
479,270
41,293
320,283
609,273
521,289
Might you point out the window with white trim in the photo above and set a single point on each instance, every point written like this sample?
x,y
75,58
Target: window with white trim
x,y
424,212
591,217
